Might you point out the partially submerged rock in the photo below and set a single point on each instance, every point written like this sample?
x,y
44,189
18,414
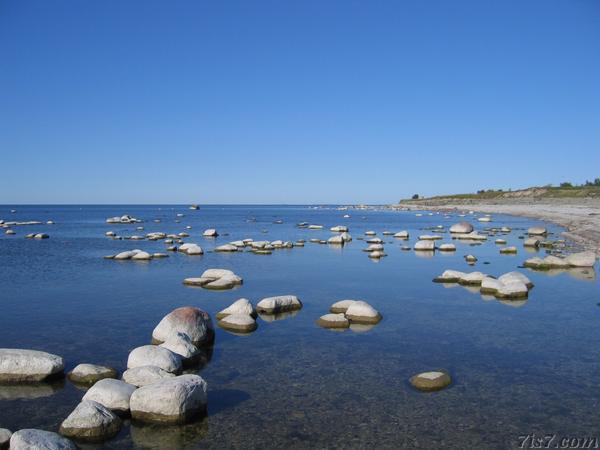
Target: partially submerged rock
x,y
32,439
241,323
192,321
447,248
431,381
333,321
424,246
90,373
241,306
341,306
90,421
362,312
216,279
282,303
18,365
5,435
537,231
173,400
461,227
449,276
181,344
211,232
508,250
191,249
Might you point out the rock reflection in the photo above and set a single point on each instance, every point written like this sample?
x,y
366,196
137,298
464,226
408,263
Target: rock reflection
x,y
278,316
425,254
30,391
169,437
578,273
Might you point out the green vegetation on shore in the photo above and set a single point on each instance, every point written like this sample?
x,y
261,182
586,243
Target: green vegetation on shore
x,y
565,190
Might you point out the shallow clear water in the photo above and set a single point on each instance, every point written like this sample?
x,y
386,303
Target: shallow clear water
x,y
516,370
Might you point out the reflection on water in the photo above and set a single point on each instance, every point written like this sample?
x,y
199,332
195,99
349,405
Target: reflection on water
x,y
30,391
278,316
162,437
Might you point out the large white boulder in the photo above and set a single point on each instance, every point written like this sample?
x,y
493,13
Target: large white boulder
x,y
153,355
113,394
173,400
191,249
17,365
90,421
189,320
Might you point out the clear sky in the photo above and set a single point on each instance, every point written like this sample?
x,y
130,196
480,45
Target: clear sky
x,y
294,101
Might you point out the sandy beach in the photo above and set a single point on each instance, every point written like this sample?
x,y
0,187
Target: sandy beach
x,y
579,217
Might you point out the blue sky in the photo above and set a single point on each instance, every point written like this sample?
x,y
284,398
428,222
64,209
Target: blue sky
x,y
294,102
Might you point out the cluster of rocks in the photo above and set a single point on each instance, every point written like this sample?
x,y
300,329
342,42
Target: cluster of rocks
x,y
37,236
123,219
151,390
428,245
582,259
215,279
346,313
512,285
136,255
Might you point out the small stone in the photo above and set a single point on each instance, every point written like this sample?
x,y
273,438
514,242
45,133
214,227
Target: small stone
x,y
447,248
333,321
431,381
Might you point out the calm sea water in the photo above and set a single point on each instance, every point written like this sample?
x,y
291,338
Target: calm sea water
x,y
518,368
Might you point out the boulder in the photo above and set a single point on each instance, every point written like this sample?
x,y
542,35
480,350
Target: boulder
x,y
90,421
447,248
333,321
490,285
90,373
241,323
362,312
216,279
341,306
461,227
537,231
4,438
241,306
531,242
172,400
181,344
470,258
191,249
346,236
449,276
377,254
431,381
145,375
336,240
153,355
401,235
32,439
430,237
282,303
113,394
508,250
339,228
424,246
583,259
515,276
226,248
17,365
189,320
211,232
374,248
40,236
141,256
512,290
472,278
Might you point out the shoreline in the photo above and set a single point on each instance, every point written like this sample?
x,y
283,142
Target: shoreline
x,y
579,217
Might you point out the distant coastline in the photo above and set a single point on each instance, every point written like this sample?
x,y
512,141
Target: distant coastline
x,y
577,209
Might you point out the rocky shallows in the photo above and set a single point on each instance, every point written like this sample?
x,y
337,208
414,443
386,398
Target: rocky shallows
x,y
583,259
215,279
18,365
